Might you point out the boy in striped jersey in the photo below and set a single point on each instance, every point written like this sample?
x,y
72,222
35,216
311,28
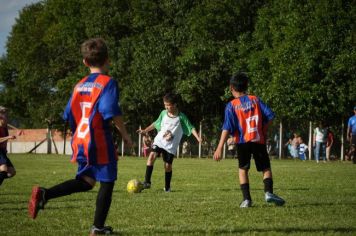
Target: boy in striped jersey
x,y
91,111
247,119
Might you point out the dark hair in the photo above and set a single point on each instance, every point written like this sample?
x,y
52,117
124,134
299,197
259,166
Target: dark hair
x,y
171,98
239,82
94,52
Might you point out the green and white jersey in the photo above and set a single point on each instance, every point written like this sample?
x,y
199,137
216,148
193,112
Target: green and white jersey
x,y
170,131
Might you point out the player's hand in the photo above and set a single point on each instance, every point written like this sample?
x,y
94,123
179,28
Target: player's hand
x,y
217,155
200,140
141,131
12,137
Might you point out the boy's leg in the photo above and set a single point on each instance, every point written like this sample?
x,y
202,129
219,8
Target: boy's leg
x,y
68,187
103,203
168,176
244,159
40,196
270,197
149,169
268,181
3,175
244,184
3,169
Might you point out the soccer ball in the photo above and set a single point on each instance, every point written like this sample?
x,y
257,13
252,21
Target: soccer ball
x,y
134,186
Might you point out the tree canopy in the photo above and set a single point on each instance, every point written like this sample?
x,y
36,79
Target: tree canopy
x,y
300,56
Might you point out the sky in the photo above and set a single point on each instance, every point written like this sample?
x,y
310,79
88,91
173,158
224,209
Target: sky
x,y
9,11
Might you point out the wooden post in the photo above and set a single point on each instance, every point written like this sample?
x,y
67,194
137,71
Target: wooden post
x,y
310,142
64,138
122,147
49,141
200,134
224,151
342,141
139,143
281,146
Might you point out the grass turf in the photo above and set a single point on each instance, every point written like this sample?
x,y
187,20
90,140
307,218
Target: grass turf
x,y
320,199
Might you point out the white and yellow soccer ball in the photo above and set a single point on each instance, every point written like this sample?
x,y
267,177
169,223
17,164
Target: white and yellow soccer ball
x,y
134,186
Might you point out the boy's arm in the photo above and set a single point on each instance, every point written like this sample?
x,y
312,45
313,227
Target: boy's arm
x,y
218,151
196,135
119,123
147,129
3,139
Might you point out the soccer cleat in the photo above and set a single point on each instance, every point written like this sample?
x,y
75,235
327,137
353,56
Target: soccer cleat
x,y
37,201
167,190
273,198
105,230
146,185
246,203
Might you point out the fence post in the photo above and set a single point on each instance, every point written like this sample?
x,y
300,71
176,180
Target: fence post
x,y
224,151
310,143
139,142
342,141
64,138
200,135
49,141
281,146
122,147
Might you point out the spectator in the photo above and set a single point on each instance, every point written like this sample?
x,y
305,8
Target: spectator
x,y
329,143
294,146
351,135
303,148
186,149
7,169
319,142
147,143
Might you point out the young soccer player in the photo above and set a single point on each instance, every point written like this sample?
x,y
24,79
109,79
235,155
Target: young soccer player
x,y
171,125
91,110
247,119
7,169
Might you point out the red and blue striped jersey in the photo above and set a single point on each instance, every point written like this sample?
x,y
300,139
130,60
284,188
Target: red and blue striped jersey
x,y
246,118
94,101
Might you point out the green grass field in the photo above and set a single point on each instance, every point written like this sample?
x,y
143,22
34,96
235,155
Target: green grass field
x,y
320,199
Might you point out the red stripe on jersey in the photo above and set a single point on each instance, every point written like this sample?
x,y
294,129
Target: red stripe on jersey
x,y
83,102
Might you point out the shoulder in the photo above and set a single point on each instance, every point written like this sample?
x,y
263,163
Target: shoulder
x,y
253,97
181,114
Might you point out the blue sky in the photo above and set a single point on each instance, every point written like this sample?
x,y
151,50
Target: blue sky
x,y
9,11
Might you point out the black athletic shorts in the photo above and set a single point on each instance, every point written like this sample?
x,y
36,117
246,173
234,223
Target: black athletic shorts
x,y
259,152
4,160
167,157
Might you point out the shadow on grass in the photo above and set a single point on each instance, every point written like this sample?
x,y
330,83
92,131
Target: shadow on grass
x,y
322,230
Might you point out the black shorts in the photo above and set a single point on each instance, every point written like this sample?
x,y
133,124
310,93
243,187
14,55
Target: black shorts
x,y
259,152
167,157
4,160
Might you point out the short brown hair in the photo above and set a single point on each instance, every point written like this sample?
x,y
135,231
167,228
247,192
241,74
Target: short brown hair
x,y
94,52
170,98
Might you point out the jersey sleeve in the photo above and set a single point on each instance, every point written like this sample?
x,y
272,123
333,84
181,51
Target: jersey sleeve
x,y
158,122
230,120
108,104
267,113
67,110
186,125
